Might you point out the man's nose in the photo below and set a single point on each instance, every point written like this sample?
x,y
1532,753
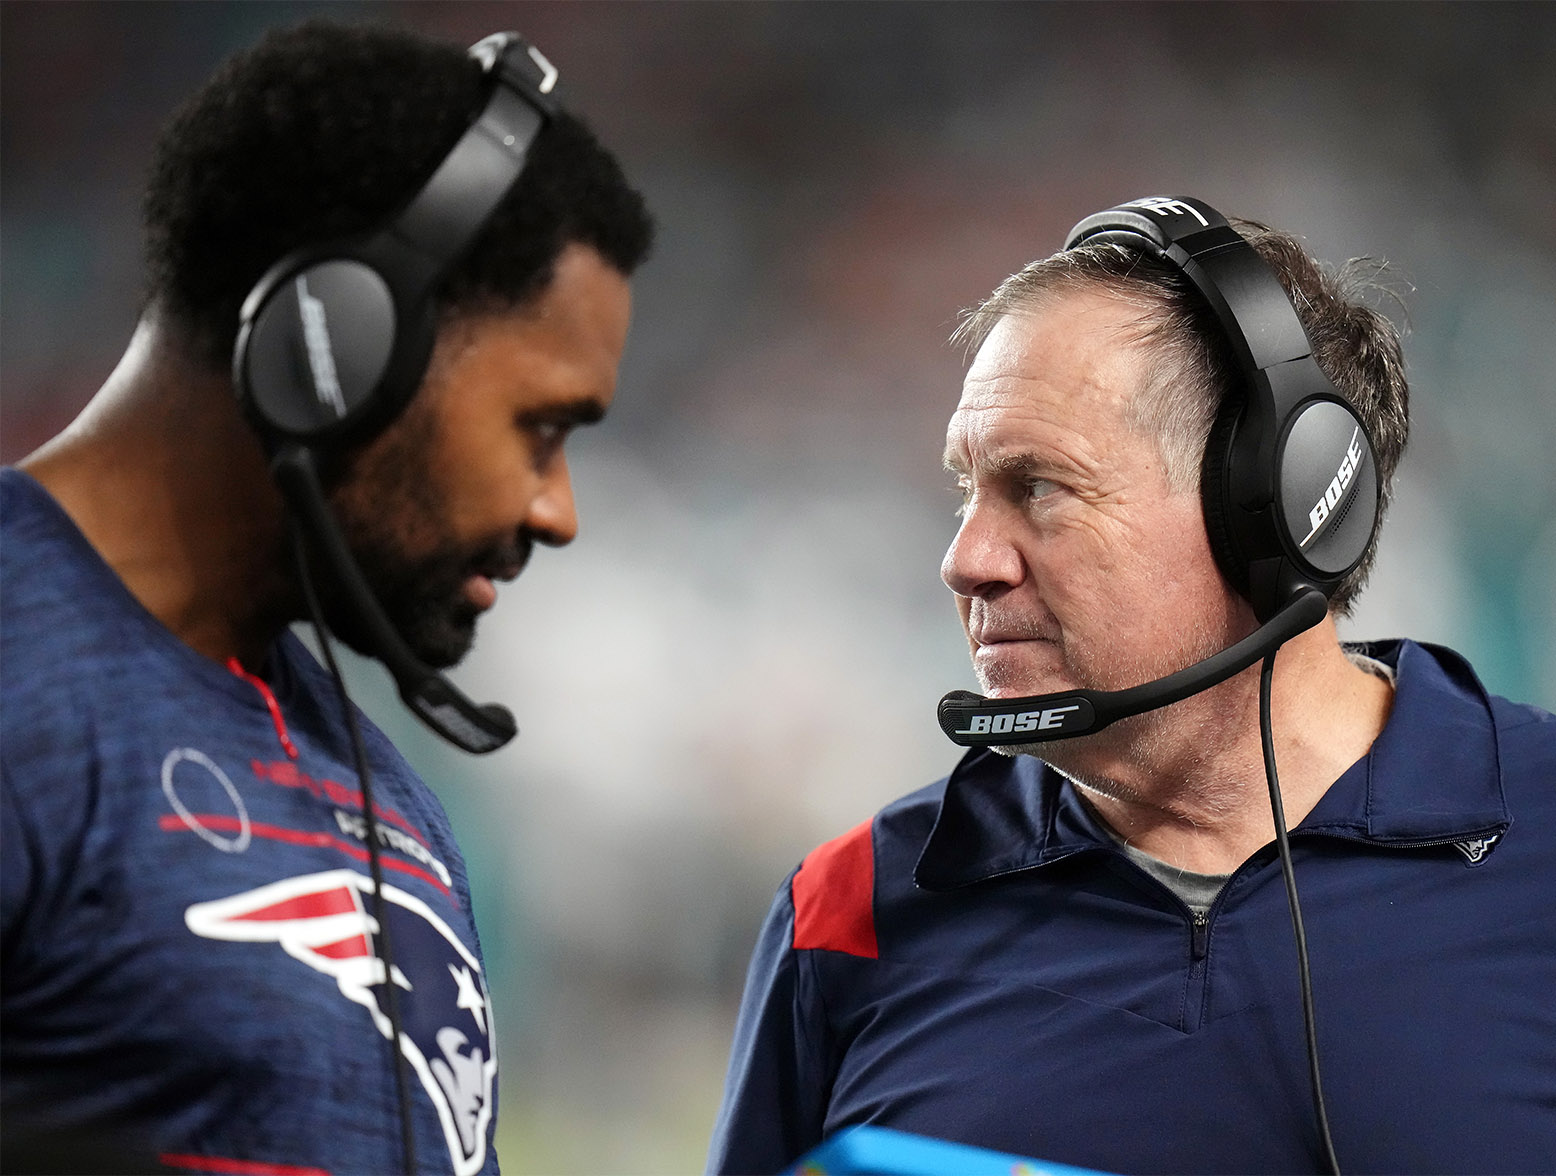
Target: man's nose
x,y
981,559
552,517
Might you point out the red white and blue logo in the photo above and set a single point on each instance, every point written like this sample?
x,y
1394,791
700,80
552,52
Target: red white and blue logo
x,y
324,921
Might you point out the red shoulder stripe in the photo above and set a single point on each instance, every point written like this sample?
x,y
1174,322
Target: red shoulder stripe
x,y
235,1167
834,896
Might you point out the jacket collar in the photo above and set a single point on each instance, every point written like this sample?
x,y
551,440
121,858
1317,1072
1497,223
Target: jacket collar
x,y
1433,775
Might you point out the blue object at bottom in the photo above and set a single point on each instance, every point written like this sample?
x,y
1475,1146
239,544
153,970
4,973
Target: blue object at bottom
x,y
879,1151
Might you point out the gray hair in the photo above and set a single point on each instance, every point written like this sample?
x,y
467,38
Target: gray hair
x,y
1190,366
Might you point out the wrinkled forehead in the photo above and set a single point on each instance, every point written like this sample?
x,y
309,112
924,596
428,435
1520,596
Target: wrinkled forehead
x,y
1066,366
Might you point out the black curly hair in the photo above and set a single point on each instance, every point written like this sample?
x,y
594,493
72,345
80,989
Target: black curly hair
x,y
325,129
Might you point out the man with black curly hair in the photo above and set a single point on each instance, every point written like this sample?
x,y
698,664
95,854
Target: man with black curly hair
x,y
237,930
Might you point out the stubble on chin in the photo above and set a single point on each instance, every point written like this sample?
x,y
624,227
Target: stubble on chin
x,y
1129,749
423,610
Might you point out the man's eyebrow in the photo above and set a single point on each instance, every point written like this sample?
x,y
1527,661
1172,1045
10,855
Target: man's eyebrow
x,y
585,410
1020,463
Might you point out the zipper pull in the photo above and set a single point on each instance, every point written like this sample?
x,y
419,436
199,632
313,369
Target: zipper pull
x,y
1199,945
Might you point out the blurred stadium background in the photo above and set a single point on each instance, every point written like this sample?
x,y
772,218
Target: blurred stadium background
x,y
741,655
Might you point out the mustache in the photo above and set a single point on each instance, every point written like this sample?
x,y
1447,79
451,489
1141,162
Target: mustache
x,y
503,560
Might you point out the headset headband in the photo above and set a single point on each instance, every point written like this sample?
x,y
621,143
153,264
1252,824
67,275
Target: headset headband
x,y
445,216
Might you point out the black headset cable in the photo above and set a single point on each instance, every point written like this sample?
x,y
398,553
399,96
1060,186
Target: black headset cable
x,y
1283,845
383,947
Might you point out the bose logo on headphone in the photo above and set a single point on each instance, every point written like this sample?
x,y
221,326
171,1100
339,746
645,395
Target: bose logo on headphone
x,y
1051,719
321,354
1337,486
1167,206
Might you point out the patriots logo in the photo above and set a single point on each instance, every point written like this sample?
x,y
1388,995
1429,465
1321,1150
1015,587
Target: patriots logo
x,y
324,921
1476,849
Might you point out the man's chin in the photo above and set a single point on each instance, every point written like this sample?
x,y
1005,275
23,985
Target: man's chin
x,y
444,645
1006,689
1068,757
1096,758
439,642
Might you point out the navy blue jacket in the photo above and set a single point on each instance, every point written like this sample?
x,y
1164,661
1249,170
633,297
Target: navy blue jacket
x,y
980,962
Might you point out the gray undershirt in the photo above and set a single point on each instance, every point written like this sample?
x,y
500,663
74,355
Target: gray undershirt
x,y
1197,891
1371,664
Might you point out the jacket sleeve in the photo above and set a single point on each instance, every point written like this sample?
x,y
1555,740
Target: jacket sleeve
x,y
776,1091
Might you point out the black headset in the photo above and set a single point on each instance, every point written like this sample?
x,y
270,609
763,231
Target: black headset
x,y
335,338
1290,482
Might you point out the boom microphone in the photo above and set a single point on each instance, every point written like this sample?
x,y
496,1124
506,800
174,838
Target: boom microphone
x,y
972,720
434,699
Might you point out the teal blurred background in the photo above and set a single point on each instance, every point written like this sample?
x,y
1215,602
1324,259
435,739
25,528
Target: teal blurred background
x,y
764,512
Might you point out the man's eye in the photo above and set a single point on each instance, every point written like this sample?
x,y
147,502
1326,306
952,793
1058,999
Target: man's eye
x,y
963,492
1040,488
547,436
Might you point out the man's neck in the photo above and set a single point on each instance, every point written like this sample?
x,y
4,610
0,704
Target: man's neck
x,y
1193,793
164,479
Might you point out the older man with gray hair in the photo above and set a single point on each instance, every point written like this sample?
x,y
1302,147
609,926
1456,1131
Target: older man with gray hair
x,y
1175,443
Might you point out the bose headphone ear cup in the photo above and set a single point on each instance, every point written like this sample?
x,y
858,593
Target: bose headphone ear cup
x,y
327,355
1329,507
1215,495
317,342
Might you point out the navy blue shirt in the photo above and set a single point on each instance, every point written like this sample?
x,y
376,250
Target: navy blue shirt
x,y
982,963
187,907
